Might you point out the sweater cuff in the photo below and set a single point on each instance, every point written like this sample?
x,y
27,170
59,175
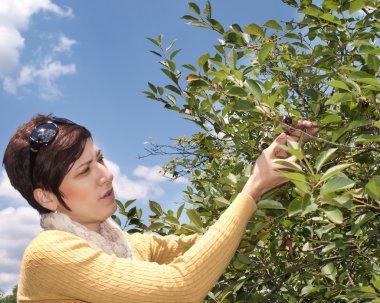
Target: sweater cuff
x,y
249,202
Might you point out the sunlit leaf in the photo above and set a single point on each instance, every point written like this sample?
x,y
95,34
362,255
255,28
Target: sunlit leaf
x,y
324,157
273,24
264,52
332,171
194,217
373,188
338,183
254,29
269,204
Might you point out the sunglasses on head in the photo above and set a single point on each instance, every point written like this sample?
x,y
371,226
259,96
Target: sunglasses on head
x,y
42,135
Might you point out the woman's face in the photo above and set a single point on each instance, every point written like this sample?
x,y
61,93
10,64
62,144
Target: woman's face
x,y
87,189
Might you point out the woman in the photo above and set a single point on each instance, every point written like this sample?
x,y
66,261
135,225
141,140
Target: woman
x,y
81,256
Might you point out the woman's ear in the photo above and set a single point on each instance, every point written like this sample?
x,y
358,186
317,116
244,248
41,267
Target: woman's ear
x,y
46,199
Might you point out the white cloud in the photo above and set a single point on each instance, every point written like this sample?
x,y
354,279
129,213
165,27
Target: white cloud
x,y
44,76
18,226
7,190
152,174
14,18
11,42
64,44
127,188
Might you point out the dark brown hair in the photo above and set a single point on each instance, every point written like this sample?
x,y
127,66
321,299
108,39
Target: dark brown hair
x,y
52,162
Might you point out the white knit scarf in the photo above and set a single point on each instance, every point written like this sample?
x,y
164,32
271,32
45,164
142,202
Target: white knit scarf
x,y
110,239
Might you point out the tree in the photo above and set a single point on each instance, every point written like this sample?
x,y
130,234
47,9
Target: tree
x,y
315,239
10,298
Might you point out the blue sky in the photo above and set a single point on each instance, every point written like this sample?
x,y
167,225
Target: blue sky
x,y
89,61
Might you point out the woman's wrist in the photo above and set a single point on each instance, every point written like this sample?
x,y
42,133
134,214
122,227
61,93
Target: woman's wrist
x,y
253,189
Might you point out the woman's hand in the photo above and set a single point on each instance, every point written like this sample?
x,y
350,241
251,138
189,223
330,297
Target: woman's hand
x,y
265,174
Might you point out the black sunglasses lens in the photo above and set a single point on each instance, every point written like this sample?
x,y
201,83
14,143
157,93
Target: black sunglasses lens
x,y
44,133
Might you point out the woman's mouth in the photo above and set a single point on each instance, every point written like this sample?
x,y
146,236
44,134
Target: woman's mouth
x,y
109,195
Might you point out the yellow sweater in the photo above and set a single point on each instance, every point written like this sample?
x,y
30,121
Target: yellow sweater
x,y
60,267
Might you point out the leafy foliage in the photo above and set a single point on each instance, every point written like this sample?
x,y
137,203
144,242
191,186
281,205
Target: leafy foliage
x,y
315,239
10,298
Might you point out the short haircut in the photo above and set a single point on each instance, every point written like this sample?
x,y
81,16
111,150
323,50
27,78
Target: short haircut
x,y
52,163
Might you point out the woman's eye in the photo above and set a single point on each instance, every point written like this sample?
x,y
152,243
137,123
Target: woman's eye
x,y
85,171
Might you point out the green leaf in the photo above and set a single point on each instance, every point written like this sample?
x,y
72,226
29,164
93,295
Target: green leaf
x,y
334,215
194,217
356,5
376,283
173,89
237,91
243,105
188,17
370,81
203,59
311,11
332,171
329,271
231,59
338,84
155,225
171,220
222,202
323,158
198,24
338,183
344,200
289,164
207,10
368,138
172,98
174,53
179,210
254,29
120,205
308,204
194,7
254,88
309,289
273,24
156,208
116,219
330,18
297,179
269,204
373,188
192,228
170,75
153,41
190,67
264,52
331,119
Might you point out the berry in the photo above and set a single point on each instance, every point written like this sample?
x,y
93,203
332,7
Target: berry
x,y
288,120
264,145
364,104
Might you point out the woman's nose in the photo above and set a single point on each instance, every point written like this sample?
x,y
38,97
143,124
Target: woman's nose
x,y
106,174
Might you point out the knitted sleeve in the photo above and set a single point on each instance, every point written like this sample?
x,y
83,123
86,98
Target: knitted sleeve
x,y
59,266
160,249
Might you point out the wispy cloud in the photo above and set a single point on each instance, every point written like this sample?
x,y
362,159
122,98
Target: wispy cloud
x,y
144,187
155,174
17,227
15,16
